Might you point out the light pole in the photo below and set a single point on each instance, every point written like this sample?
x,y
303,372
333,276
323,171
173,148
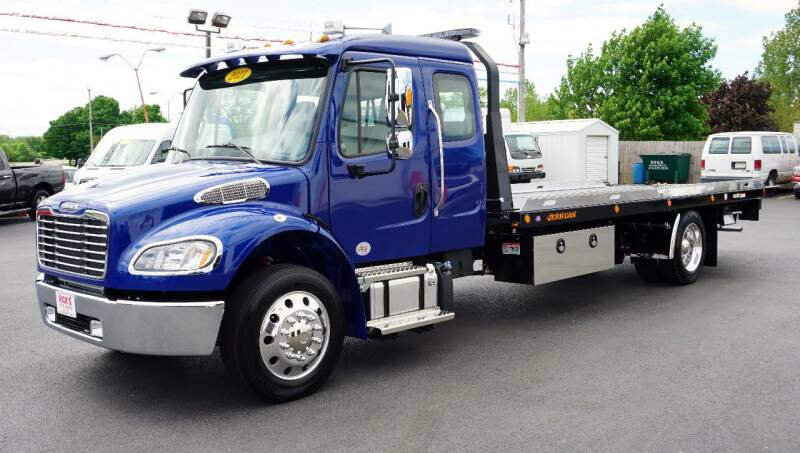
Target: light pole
x,y
136,72
168,100
91,135
198,17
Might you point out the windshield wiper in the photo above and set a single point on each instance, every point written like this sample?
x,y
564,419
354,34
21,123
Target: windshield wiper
x,y
181,151
242,149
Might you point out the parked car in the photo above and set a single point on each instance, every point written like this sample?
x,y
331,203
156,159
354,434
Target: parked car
x,y
125,147
796,182
22,188
767,156
69,172
524,157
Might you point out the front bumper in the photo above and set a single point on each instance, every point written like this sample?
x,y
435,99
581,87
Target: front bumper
x,y
152,328
525,176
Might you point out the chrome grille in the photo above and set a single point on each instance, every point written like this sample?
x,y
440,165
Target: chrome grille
x,y
75,245
237,192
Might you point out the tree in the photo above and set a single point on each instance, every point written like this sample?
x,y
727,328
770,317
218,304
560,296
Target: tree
x,y
136,115
535,108
21,149
647,82
740,104
68,135
780,66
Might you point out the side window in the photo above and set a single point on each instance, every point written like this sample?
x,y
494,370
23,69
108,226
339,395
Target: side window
x,y
792,144
719,145
363,126
162,152
454,96
784,144
770,144
742,145
2,161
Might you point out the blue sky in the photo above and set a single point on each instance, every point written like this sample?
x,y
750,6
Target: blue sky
x,y
43,76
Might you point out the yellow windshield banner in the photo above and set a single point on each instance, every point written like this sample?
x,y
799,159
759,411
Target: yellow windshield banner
x,y
238,74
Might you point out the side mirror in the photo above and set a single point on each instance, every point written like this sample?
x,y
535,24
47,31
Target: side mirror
x,y
404,104
399,100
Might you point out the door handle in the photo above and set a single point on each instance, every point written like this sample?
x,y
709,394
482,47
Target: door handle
x,y
5,177
420,200
441,158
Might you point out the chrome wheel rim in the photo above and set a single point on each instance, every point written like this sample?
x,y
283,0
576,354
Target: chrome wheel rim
x,y
40,199
294,335
691,247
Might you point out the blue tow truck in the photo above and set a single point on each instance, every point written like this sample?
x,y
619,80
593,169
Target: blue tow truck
x,y
337,189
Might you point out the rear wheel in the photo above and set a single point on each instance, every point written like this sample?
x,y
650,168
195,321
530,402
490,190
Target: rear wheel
x,y
38,197
797,195
772,179
689,251
647,268
283,332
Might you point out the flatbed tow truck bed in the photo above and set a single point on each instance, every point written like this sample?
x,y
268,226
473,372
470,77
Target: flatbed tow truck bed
x,y
545,208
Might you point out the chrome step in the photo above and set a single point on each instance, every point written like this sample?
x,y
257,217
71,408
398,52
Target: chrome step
x,y
369,275
410,320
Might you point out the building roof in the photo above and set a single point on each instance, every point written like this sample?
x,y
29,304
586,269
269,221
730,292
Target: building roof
x,y
389,44
560,126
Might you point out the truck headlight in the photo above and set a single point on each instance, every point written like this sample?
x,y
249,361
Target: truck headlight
x,y
182,256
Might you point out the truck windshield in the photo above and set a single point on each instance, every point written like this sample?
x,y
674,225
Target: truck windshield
x,y
121,153
270,114
523,146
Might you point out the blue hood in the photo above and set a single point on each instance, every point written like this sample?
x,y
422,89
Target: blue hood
x,y
140,199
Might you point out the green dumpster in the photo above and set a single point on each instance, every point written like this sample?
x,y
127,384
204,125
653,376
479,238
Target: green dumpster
x,y
669,168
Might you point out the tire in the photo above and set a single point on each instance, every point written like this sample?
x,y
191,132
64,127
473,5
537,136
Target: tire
x,y
256,343
772,179
648,269
37,198
690,251
797,195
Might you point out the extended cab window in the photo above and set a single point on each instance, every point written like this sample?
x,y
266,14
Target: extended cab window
x,y
719,145
363,126
454,104
742,145
770,144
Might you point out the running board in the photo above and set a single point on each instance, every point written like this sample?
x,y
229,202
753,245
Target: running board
x,y
410,320
15,212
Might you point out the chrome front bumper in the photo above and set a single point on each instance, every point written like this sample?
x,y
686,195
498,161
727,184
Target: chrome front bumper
x,y
152,328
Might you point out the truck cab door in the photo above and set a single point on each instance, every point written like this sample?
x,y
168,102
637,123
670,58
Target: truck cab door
x,y
386,216
453,90
7,184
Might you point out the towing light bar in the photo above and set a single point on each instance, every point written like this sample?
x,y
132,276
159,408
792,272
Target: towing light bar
x,y
455,35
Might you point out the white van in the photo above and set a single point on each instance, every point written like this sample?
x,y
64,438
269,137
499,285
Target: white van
x,y
524,157
768,156
125,147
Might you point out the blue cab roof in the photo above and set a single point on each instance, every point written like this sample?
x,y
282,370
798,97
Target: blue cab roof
x,y
387,44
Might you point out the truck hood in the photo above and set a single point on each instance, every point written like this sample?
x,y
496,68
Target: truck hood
x,y
141,198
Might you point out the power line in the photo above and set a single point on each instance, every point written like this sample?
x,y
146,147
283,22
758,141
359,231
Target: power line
x,y
101,38
125,26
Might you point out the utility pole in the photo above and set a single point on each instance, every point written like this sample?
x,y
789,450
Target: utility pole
x,y
523,41
91,136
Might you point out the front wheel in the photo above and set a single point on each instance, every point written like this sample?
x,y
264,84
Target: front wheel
x,y
283,332
689,251
38,197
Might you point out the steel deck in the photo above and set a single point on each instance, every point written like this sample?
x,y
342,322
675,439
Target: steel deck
x,y
527,200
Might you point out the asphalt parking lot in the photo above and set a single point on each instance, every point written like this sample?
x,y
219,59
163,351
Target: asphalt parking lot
x,y
598,363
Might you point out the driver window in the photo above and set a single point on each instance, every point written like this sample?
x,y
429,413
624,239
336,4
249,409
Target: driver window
x,y
363,126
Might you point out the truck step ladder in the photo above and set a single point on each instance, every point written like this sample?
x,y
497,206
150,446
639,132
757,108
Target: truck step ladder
x,y
410,320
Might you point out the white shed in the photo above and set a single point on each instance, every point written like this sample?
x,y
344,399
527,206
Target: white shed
x,y
576,150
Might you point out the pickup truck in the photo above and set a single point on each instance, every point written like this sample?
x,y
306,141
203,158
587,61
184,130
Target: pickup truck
x,y
317,191
22,188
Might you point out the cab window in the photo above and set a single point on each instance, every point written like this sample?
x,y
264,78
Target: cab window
x,y
719,145
363,126
770,144
742,145
453,95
